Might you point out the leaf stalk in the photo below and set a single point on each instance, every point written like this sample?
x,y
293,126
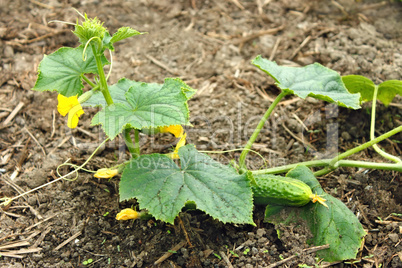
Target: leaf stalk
x,y
372,129
102,79
133,148
331,164
258,129
365,145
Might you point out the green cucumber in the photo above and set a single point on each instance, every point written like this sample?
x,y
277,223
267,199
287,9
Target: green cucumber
x,y
275,192
278,190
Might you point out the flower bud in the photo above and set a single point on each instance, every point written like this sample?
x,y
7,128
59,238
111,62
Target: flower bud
x,y
105,173
127,214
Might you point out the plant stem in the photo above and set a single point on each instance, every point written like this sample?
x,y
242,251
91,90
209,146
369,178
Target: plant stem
x,y
371,165
88,81
325,162
333,163
137,143
364,146
258,129
372,129
134,148
129,142
285,168
103,83
360,164
324,171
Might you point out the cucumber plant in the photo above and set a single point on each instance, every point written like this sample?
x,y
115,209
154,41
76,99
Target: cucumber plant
x,y
164,183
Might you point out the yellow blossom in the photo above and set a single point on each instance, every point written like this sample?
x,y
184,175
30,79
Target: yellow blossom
x,y
72,107
105,173
127,214
176,130
181,143
319,199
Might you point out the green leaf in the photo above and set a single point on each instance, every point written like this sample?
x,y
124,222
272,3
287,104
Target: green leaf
x,y
118,91
106,42
271,210
187,90
61,71
123,33
359,84
312,80
387,91
145,107
336,225
163,188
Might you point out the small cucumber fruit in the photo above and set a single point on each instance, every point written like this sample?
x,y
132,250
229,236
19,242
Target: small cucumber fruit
x,y
278,190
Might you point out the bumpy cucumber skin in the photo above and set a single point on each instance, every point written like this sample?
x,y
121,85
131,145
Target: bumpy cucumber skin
x,y
277,190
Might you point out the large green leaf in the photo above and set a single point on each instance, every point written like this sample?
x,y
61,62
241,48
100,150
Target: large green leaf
x,y
145,107
387,91
61,71
335,225
312,80
118,91
359,84
163,188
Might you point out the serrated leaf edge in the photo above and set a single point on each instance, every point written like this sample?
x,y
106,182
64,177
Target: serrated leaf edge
x,y
128,125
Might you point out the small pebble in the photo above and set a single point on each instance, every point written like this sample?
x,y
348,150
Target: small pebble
x,y
32,201
254,251
346,136
251,234
294,125
8,52
394,237
355,132
184,251
262,240
261,232
369,238
249,243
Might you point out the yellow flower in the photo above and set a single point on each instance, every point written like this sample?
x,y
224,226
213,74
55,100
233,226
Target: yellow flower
x,y
72,107
105,173
127,214
181,143
176,130
319,199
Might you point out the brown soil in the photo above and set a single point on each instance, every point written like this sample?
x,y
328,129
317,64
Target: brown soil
x,y
209,44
